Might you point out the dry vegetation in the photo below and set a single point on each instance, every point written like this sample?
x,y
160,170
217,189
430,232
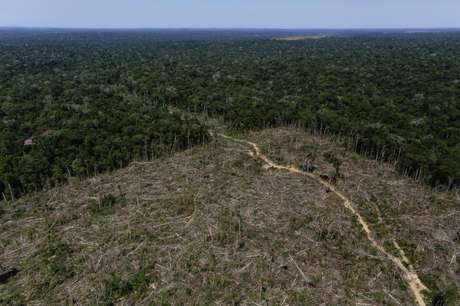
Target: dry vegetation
x,y
302,37
211,226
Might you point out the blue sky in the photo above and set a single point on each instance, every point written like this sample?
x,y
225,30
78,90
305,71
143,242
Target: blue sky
x,y
231,13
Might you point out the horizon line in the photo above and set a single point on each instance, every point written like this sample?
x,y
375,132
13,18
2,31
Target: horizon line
x,y
227,28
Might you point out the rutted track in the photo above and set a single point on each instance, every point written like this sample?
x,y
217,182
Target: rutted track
x,y
407,270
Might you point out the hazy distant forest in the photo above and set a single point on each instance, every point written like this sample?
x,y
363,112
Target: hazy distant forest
x,y
74,104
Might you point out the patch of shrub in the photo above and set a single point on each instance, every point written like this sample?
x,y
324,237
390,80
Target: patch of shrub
x,y
106,205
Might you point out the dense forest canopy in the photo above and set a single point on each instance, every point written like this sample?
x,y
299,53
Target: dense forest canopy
x,y
75,103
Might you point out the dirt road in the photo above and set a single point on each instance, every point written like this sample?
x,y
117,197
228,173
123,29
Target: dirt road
x,y
408,272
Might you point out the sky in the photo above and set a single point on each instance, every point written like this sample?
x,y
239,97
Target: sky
x,y
303,14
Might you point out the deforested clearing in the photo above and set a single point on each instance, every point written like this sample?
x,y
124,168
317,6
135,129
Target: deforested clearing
x,y
213,225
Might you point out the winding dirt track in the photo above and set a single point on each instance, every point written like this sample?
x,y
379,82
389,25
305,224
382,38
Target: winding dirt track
x,y
407,270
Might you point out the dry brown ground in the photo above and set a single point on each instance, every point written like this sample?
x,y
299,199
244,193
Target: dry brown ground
x,y
210,226
297,38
